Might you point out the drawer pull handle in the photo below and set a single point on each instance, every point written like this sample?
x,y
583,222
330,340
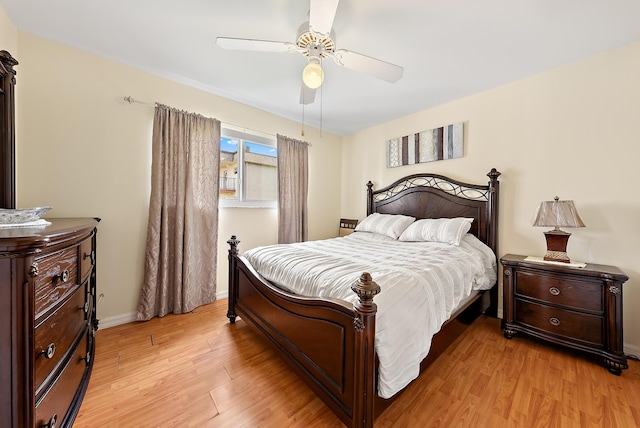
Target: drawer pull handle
x,y
554,321
50,351
52,422
89,255
554,291
63,276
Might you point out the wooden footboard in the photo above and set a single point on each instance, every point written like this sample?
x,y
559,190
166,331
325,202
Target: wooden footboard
x,y
328,342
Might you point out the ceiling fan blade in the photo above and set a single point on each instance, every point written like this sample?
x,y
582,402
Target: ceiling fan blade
x,y
368,65
321,15
255,45
307,95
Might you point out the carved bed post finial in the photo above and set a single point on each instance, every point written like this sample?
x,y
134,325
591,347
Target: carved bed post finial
x,y
233,244
494,174
233,281
369,197
366,288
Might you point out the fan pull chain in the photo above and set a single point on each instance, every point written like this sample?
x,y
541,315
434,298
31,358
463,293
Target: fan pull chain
x,y
302,132
321,98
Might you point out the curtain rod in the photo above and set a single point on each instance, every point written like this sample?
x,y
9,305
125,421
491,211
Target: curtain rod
x,y
132,100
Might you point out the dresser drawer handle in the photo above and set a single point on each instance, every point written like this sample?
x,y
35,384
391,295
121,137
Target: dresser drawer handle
x,y
554,321
554,291
63,276
52,422
50,351
91,256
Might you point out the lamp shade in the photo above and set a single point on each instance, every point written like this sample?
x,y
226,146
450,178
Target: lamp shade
x,y
313,75
557,214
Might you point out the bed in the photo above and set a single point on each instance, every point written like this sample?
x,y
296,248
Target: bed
x,y
331,342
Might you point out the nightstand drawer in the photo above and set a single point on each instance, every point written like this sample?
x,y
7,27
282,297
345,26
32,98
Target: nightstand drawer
x,y
574,325
558,290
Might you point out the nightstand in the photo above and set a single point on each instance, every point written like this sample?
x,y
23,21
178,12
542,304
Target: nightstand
x,y
347,226
580,308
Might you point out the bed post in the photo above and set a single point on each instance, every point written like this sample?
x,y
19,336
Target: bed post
x,y
365,329
369,198
492,238
233,278
492,212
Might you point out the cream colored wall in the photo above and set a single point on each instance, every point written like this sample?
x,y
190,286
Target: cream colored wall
x,y
8,34
86,152
571,132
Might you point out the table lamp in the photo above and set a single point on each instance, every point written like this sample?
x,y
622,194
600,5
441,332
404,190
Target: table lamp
x,y
557,214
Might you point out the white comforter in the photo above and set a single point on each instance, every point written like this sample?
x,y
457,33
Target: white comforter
x,y
421,284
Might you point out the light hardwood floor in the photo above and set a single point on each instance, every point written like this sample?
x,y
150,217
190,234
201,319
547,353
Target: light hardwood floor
x,y
197,370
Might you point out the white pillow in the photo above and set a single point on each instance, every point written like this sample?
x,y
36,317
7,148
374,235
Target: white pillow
x,y
447,230
385,224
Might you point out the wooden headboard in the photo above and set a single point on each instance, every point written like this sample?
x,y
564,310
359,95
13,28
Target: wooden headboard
x,y
436,196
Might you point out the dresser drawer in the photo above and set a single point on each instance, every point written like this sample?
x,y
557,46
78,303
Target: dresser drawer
x,y
55,334
57,400
87,258
574,325
560,291
57,276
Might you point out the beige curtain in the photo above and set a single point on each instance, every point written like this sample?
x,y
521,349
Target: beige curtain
x,y
293,178
182,235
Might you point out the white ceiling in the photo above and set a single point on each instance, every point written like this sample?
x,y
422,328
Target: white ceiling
x,y
448,48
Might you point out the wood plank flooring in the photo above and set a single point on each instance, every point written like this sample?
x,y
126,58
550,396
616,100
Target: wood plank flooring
x,y
197,370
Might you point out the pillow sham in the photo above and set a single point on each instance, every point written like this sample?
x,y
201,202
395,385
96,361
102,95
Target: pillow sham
x,y
391,225
447,230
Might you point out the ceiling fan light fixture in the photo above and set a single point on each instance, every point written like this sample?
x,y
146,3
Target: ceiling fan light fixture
x,y
313,75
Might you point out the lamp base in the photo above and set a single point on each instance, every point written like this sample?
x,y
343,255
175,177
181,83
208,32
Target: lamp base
x,y
557,246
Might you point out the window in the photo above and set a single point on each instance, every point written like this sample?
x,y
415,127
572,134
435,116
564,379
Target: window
x,y
248,169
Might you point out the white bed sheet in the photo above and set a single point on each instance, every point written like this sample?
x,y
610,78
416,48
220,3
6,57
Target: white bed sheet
x,y
422,284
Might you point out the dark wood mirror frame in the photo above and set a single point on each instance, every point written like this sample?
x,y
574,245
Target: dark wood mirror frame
x,y
7,130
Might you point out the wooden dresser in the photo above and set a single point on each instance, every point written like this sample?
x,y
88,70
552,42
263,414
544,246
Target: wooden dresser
x,y
47,321
580,308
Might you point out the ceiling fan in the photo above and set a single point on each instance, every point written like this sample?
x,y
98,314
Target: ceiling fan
x,y
316,41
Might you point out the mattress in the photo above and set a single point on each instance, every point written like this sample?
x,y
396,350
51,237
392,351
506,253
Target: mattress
x,y
422,284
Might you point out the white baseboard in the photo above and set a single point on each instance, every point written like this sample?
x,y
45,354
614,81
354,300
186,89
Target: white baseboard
x,y
117,320
133,316
632,350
